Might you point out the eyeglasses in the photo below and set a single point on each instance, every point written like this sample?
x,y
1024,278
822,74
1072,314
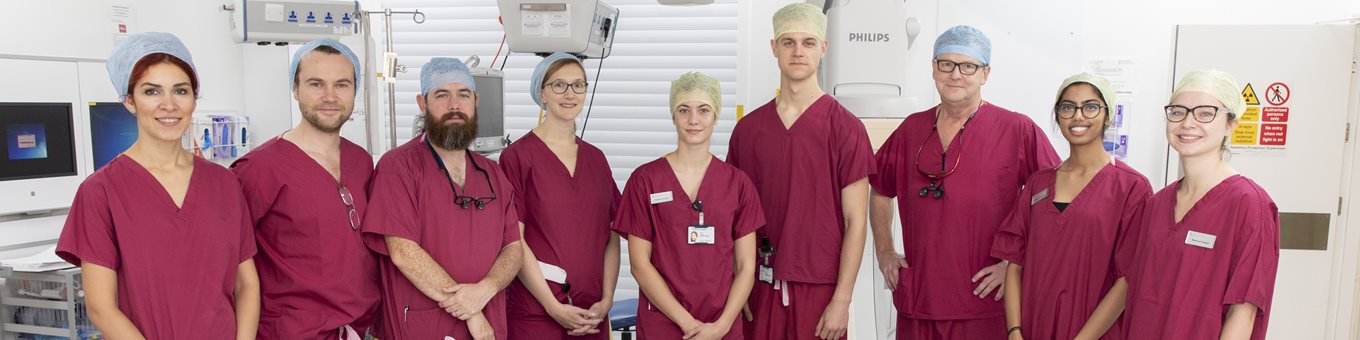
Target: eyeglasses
x,y
459,199
348,199
1069,110
1202,113
966,69
936,187
560,87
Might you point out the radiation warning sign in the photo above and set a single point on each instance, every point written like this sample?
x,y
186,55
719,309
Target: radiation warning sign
x,y
1263,127
1249,95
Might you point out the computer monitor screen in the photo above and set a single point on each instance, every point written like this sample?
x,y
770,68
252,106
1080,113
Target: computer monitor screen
x,y
38,141
112,131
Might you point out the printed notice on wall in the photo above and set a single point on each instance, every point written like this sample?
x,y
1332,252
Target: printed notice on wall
x,y
1264,126
1120,72
121,16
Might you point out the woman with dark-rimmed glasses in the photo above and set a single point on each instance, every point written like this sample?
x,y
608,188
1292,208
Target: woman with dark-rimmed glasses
x,y
1062,234
1202,259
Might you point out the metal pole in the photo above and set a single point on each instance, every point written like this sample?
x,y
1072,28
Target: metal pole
x,y
368,95
391,87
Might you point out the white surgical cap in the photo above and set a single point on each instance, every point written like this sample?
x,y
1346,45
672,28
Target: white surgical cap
x,y
312,45
800,17
1215,83
138,46
965,40
541,73
695,81
1103,88
440,71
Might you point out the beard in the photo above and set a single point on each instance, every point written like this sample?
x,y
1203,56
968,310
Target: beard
x,y
455,137
314,120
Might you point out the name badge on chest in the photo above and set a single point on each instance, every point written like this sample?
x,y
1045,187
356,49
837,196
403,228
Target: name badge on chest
x,y
662,197
701,234
1037,197
1201,240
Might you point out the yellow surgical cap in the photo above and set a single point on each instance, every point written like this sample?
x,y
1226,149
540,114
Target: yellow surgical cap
x,y
1102,86
800,17
695,81
1215,83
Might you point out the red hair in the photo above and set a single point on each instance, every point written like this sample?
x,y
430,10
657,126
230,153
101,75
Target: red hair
x,y
140,68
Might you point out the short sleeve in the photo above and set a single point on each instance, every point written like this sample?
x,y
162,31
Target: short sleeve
x,y
888,159
749,215
1130,240
1040,154
89,233
511,233
515,169
261,189
1011,238
853,156
1255,257
635,214
1128,220
248,246
392,204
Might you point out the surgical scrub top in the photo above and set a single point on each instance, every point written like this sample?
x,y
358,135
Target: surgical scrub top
x,y
566,218
799,172
1067,257
948,239
1184,275
699,275
176,266
316,274
411,198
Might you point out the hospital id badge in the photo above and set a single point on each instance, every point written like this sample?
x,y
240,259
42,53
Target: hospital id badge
x,y
701,234
766,274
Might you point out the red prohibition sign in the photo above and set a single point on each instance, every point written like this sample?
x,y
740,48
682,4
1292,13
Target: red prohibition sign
x,y
1277,94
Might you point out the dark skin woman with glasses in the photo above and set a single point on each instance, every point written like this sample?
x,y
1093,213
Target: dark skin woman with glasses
x,y
1201,262
955,170
1061,235
566,199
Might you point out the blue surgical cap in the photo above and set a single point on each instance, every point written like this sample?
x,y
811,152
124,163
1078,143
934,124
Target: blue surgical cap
x,y
138,46
541,72
440,71
965,40
312,45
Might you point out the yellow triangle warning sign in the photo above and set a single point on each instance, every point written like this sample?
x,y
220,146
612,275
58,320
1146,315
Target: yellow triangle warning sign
x,y
1249,95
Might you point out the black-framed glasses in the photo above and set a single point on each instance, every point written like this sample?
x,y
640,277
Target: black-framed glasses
x,y
348,199
966,69
560,87
460,199
1202,113
1069,110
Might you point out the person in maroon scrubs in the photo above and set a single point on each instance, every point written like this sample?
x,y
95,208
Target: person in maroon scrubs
x,y
442,219
307,193
955,171
1061,236
809,158
1203,259
566,199
690,221
163,238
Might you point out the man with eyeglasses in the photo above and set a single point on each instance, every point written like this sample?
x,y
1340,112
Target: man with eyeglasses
x,y
307,194
442,220
808,157
955,171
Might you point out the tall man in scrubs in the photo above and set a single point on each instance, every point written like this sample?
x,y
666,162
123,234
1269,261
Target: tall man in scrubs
x,y
307,193
955,170
809,158
443,220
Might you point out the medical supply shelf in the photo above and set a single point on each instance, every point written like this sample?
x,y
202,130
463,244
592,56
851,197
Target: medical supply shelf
x,y
38,306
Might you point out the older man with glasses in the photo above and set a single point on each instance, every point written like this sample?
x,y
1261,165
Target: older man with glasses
x,y
955,170
443,221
